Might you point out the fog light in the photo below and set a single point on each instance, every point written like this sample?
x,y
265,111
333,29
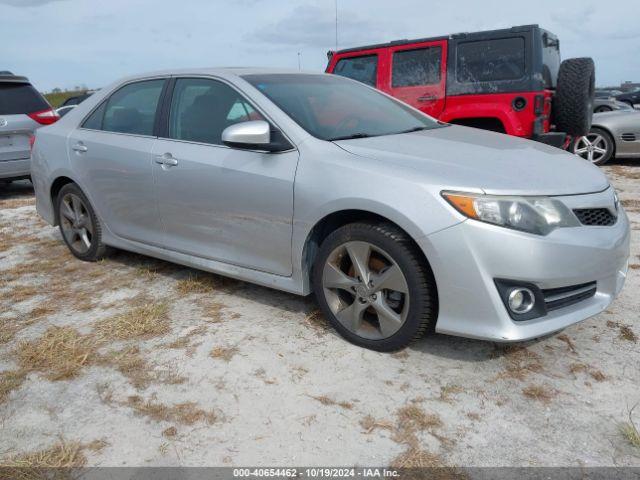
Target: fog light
x,y
521,300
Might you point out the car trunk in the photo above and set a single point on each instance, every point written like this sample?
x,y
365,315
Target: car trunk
x,y
17,101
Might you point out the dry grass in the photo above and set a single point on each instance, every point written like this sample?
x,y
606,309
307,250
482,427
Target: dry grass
x,y
414,418
186,413
627,334
417,458
596,374
224,353
170,432
61,455
315,321
198,283
541,393
185,340
629,430
570,345
519,361
10,380
369,424
60,353
447,391
144,321
327,401
631,205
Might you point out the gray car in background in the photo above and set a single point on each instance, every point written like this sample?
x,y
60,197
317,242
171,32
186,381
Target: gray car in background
x,y
22,110
604,101
400,224
612,135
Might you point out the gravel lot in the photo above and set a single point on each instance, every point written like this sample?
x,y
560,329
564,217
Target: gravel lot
x,y
138,362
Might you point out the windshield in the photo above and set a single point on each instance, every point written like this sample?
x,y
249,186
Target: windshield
x,y
332,108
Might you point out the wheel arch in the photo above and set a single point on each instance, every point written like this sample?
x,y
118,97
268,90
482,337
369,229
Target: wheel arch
x,y
56,186
334,220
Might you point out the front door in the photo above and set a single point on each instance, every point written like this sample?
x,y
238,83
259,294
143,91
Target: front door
x,y
111,152
418,75
216,202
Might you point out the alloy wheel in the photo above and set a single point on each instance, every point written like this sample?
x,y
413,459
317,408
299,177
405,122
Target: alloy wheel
x,y
76,223
592,147
366,290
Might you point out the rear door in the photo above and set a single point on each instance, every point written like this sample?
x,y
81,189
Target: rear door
x,y
111,151
418,75
17,101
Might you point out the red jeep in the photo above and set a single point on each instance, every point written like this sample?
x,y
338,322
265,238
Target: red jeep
x,y
508,81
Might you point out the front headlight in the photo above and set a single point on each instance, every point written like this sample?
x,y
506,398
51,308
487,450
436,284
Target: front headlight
x,y
539,215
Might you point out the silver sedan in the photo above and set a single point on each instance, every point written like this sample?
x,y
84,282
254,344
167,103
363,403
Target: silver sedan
x,y
401,225
612,135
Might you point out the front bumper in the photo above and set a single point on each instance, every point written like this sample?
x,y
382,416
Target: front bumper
x,y
467,258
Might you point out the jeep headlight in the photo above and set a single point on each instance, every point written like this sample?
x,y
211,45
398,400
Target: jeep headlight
x,y
539,215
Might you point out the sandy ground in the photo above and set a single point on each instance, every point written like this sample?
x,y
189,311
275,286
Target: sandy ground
x,y
138,362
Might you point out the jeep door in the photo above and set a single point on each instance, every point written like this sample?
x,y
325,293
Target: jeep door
x,y
418,75
111,153
216,202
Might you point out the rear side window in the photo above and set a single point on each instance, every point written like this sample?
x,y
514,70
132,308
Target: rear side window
x,y
17,98
490,60
131,109
417,67
363,69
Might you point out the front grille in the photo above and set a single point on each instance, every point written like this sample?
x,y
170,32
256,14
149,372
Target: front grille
x,y
555,298
628,137
600,217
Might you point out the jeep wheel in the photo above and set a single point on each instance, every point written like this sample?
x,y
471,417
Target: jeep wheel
x,y
596,147
374,287
573,101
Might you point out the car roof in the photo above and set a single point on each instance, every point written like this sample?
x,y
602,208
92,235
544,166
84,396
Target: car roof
x,y
404,41
8,77
222,72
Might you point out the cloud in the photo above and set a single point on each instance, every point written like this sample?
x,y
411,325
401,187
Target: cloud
x,y
312,26
27,3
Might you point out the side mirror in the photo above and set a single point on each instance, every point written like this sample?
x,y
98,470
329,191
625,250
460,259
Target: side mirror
x,y
255,135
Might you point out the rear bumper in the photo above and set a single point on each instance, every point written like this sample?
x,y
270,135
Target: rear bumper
x,y
15,168
555,139
467,259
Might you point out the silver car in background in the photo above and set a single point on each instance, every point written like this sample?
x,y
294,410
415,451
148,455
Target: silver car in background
x,y
22,110
612,135
400,224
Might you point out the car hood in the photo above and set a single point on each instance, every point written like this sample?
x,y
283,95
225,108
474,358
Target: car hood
x,y
468,158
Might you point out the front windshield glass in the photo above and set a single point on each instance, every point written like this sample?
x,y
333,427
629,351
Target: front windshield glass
x,y
333,108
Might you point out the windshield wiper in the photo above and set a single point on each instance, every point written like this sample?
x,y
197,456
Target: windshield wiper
x,y
414,129
352,136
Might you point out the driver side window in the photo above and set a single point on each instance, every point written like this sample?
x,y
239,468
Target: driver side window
x,y
202,108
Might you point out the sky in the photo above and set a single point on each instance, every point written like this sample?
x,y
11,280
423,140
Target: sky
x,y
67,43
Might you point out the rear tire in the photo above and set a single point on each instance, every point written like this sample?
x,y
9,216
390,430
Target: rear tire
x,y
386,298
573,101
79,225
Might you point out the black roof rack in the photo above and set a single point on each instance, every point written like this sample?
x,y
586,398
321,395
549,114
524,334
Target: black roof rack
x,y
394,43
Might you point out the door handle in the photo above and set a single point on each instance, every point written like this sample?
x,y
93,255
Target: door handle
x,y
166,160
79,147
427,98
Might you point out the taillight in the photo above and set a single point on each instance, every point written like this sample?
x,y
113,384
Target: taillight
x,y
45,117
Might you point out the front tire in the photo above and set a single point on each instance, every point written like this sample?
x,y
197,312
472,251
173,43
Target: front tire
x,y
374,286
79,225
596,147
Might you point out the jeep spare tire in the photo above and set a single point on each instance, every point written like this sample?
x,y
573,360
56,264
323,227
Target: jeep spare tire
x,y
573,102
